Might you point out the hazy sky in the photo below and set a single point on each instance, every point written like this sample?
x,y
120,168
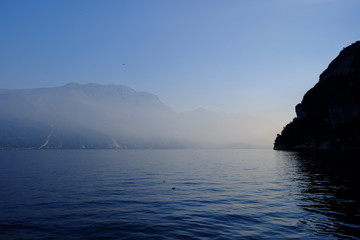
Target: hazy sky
x,y
255,57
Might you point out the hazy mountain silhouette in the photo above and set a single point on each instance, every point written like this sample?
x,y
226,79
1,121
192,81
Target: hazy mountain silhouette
x,y
329,115
106,116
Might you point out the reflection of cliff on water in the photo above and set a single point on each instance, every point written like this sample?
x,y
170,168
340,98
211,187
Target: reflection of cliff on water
x,y
328,185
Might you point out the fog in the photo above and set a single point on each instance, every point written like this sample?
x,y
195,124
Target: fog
x,y
115,116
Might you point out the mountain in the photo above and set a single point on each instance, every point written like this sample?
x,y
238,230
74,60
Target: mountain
x,y
328,116
82,116
113,116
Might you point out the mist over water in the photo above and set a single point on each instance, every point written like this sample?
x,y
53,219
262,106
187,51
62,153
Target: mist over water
x,y
219,194
116,116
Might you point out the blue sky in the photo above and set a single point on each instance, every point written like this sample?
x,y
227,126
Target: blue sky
x,y
255,57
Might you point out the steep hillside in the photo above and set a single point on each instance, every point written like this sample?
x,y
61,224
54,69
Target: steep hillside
x,y
82,116
328,117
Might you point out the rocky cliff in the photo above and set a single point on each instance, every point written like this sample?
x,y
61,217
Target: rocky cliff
x,y
328,117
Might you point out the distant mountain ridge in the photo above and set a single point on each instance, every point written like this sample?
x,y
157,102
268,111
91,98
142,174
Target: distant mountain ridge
x,y
75,90
75,116
95,116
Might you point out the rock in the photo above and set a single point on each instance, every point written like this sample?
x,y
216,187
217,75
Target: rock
x,y
328,116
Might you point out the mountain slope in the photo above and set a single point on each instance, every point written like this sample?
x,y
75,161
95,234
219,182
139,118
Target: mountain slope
x,y
115,116
80,116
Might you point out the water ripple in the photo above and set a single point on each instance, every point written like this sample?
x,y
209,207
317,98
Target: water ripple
x,y
230,194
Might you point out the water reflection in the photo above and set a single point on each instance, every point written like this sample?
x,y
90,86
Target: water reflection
x,y
328,189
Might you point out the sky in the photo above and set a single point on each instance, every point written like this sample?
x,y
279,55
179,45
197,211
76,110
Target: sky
x,y
254,57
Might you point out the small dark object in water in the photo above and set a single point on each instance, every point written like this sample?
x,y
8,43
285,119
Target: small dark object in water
x,y
173,188
164,181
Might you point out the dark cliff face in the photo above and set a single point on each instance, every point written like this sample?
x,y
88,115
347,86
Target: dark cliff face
x,y
328,117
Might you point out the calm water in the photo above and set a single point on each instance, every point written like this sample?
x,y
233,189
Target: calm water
x,y
219,194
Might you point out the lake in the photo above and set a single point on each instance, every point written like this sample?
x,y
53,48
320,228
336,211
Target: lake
x,y
176,194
